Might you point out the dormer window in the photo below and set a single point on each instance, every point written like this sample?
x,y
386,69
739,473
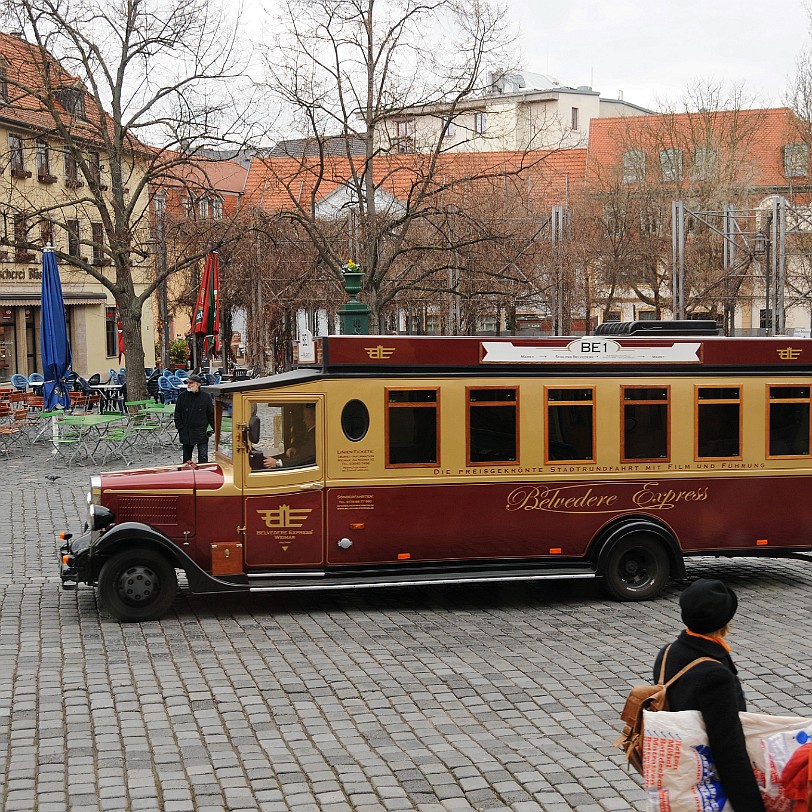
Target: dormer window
x,y
796,160
634,166
73,100
3,80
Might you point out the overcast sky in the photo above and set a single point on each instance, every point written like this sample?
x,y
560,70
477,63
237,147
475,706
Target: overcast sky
x,y
651,48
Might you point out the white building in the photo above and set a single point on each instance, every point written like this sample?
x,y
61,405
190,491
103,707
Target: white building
x,y
519,112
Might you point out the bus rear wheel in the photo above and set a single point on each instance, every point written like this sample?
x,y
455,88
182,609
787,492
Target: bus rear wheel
x,y
637,568
137,585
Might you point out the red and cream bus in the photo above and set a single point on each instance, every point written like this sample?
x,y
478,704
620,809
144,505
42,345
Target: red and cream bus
x,y
404,460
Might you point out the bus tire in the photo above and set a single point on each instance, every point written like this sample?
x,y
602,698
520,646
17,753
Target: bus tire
x,y
137,584
637,568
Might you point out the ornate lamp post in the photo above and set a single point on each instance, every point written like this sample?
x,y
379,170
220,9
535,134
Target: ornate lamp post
x,y
353,315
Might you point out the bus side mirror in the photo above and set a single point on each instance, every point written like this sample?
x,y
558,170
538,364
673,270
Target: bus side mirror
x,y
253,429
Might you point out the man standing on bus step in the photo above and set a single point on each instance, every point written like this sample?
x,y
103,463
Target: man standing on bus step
x,y
194,416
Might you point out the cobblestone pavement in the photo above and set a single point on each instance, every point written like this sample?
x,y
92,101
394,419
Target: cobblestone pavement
x,y
440,699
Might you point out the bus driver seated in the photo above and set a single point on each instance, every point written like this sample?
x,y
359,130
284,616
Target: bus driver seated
x,y
301,449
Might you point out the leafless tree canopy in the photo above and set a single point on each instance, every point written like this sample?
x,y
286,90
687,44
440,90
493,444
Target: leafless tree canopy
x,y
108,79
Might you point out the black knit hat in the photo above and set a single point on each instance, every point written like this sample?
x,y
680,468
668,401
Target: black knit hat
x,y
707,605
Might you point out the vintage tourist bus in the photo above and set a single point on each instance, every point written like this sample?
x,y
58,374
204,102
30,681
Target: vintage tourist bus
x,y
418,460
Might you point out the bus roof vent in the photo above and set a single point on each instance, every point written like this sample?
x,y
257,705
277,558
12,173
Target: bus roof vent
x,y
686,327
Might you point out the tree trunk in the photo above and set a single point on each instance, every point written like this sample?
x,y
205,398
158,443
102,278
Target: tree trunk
x,y
133,350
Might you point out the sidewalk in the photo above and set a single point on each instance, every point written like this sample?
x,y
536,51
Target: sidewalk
x,y
435,699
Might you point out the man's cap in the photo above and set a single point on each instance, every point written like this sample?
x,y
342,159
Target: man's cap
x,y
193,378
707,605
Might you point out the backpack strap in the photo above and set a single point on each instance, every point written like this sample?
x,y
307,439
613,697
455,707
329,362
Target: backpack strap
x,y
688,667
661,680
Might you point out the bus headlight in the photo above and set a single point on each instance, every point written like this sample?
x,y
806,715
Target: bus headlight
x,y
99,517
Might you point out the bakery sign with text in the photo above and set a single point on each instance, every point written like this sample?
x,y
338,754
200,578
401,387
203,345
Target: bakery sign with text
x,y
592,349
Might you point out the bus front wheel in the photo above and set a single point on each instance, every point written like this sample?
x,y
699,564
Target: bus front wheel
x,y
138,584
637,568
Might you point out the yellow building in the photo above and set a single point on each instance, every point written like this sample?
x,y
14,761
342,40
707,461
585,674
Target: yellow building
x,y
46,197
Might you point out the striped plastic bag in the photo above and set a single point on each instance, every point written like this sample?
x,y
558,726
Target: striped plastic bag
x,y
678,770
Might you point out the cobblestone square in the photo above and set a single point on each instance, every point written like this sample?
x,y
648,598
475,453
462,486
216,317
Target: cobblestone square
x,y
493,697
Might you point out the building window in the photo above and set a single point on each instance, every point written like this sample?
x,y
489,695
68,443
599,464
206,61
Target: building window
x,y
486,325
110,332
645,423
94,164
671,164
765,319
21,238
412,427
634,166
3,79
73,100
404,130
72,227
480,122
46,232
17,157
646,315
789,421
570,427
44,162
450,127
217,208
99,255
71,171
188,207
159,204
796,160
203,208
574,118
704,162
718,422
492,425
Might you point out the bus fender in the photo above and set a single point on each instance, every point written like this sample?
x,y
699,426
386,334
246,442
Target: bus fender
x,y
612,536
126,533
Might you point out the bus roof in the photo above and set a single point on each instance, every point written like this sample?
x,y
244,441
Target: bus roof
x,y
340,355
486,353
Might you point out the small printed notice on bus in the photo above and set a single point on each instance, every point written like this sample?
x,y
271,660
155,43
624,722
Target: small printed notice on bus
x,y
591,348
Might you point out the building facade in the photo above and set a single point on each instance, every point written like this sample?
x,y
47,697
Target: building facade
x,y
44,201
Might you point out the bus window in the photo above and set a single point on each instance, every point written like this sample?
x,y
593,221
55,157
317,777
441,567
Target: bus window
x,y
222,420
718,422
355,420
788,421
645,423
412,427
491,424
287,436
570,429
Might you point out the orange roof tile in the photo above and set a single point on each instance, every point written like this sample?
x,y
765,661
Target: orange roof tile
x,y
751,140
25,69
280,184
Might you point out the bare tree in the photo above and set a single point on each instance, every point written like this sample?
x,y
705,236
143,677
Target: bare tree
x,y
110,78
701,153
347,70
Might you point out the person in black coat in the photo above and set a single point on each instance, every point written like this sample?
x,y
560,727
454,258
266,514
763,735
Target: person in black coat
x,y
713,688
194,420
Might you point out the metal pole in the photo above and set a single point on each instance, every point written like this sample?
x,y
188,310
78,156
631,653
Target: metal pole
x,y
678,258
780,276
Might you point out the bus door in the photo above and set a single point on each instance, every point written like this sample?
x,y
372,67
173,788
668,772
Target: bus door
x,y
283,483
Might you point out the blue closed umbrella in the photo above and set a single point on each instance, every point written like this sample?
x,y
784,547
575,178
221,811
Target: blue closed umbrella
x,y
56,354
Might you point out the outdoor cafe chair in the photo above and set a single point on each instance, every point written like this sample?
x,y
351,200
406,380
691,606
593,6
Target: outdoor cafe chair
x,y
166,392
19,381
182,374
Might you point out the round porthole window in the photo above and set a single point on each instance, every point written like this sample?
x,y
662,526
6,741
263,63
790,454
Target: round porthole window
x,y
355,420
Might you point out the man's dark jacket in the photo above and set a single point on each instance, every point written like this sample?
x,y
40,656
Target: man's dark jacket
x,y
715,690
194,413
